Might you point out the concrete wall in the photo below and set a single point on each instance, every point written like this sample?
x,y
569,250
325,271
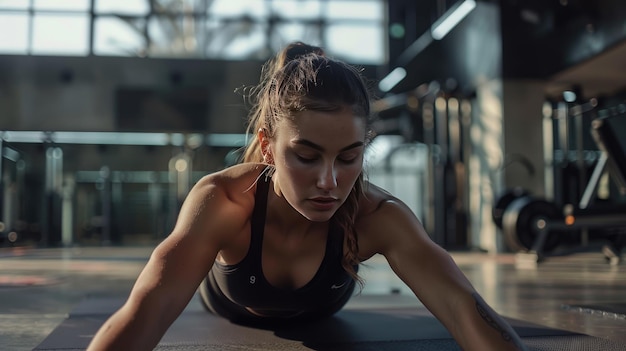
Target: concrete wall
x,y
485,176
523,163
507,151
78,94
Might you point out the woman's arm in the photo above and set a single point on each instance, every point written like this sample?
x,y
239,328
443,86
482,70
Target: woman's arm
x,y
174,271
436,280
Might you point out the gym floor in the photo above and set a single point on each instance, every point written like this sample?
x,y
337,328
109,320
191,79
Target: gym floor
x,y
39,287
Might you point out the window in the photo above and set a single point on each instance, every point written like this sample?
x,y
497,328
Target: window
x,y
122,7
62,5
218,29
117,36
14,33
60,34
284,33
14,4
356,42
297,9
254,9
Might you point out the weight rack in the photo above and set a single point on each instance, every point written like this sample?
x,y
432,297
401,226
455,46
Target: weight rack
x,y
529,217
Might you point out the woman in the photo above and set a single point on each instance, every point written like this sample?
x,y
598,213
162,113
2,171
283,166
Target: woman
x,y
280,236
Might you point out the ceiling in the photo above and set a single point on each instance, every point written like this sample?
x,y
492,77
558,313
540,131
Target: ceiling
x,y
605,74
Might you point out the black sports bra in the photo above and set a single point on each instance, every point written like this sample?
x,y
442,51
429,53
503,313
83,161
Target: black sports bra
x,y
245,285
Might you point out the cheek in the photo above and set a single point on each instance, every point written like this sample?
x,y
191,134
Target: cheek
x,y
291,165
349,174
293,174
301,178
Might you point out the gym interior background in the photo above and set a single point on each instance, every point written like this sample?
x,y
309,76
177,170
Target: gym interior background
x,y
111,110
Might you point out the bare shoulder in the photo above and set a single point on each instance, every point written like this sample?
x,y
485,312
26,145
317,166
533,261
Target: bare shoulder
x,y
376,201
220,202
384,220
235,183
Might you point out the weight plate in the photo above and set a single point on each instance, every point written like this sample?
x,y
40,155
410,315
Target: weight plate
x,y
520,223
504,201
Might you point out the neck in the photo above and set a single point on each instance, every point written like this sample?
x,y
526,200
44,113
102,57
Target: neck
x,y
282,215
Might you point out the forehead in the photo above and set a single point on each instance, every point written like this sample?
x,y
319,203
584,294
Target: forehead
x,y
325,126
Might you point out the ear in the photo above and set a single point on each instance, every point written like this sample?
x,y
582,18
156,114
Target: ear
x,y
264,141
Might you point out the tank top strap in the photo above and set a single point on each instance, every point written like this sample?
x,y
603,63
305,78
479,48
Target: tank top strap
x,y
335,239
258,215
334,244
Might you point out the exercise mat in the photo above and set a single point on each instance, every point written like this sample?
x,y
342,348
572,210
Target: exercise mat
x,y
370,328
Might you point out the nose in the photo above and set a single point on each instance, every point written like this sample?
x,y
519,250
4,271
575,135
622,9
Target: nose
x,y
327,179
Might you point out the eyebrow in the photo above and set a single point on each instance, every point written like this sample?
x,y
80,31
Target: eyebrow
x,y
315,146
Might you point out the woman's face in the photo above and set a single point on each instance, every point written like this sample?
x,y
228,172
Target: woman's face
x,y
318,158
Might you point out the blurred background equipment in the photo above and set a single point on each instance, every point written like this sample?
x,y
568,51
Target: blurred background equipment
x,y
101,188
589,196
107,120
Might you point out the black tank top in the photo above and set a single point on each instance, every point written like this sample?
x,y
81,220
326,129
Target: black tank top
x,y
245,285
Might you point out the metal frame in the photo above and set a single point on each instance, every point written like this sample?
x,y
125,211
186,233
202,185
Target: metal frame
x,y
124,138
611,158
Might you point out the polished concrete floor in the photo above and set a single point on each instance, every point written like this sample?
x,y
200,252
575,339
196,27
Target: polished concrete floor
x,y
38,287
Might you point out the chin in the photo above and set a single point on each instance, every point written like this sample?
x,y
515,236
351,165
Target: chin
x,y
318,216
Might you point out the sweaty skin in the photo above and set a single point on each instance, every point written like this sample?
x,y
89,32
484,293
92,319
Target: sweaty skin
x,y
316,166
318,157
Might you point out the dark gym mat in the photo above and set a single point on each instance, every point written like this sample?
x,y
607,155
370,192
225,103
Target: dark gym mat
x,y
392,329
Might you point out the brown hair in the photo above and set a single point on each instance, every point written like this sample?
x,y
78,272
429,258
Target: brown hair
x,y
301,77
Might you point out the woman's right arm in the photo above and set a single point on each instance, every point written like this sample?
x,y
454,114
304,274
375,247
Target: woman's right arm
x,y
175,270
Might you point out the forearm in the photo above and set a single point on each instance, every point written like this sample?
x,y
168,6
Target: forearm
x,y
127,330
486,330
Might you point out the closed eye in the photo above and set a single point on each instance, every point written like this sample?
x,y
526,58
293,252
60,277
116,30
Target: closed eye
x,y
349,157
347,160
306,159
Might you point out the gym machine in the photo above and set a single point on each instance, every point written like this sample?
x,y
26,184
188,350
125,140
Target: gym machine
x,y
62,200
12,225
537,223
439,118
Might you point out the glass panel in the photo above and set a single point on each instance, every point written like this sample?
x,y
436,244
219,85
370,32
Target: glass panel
x,y
297,9
14,33
14,4
238,40
60,34
230,8
363,44
128,7
120,37
70,5
285,33
351,9
180,6
175,35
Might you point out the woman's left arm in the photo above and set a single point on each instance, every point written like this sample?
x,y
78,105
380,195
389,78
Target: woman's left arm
x,y
429,271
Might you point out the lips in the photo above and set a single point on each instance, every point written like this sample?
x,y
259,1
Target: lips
x,y
323,203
